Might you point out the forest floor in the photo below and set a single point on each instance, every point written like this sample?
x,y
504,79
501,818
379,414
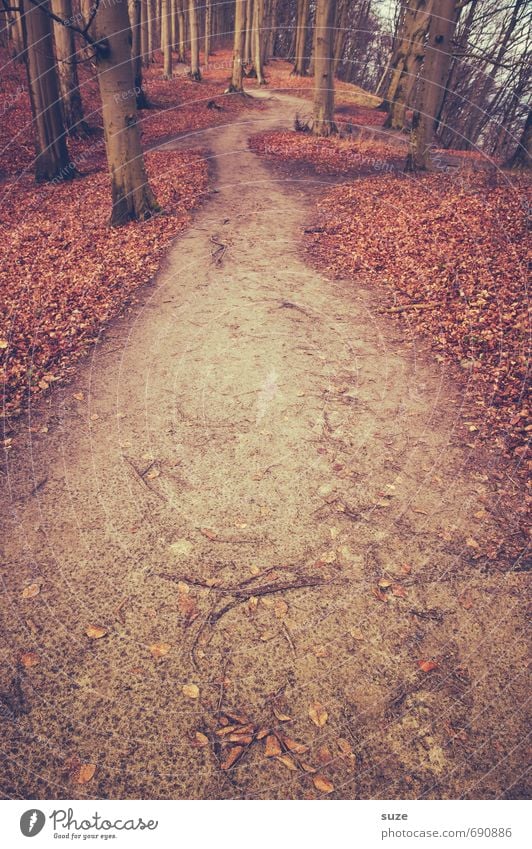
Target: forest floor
x,y
245,544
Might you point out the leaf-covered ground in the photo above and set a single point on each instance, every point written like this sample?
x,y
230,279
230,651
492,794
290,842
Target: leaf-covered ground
x,y
458,249
64,272
335,156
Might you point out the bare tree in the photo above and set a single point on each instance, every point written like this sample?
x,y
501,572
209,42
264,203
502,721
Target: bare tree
x,y
323,124
237,75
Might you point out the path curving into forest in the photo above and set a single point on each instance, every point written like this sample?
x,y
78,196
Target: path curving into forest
x,y
252,424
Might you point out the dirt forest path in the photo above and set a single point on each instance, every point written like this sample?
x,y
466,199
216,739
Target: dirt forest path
x,y
251,425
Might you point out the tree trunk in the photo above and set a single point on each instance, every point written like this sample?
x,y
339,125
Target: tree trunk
x,y
237,74
181,45
151,6
195,72
258,11
144,32
340,34
51,155
67,71
522,158
166,37
431,91
300,60
417,20
208,28
132,196
248,32
134,9
323,69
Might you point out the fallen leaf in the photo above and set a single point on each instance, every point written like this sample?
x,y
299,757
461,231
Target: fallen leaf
x,y
152,474
472,543
406,569
345,746
191,691
232,756
29,659
324,755
83,773
209,534
287,761
323,784
318,714
293,745
466,600
31,591
187,607
427,665
282,717
262,732
384,583
95,632
280,609
272,746
307,767
267,635
79,396
160,649
356,633
399,591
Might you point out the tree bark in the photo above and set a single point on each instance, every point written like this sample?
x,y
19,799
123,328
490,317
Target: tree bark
x,y
166,37
208,28
134,9
195,72
248,32
258,12
151,7
412,50
432,88
323,69
340,32
300,60
522,158
67,71
181,40
237,74
132,196
51,155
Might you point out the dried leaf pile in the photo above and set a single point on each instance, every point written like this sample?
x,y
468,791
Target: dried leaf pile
x,y
453,254
66,273
336,156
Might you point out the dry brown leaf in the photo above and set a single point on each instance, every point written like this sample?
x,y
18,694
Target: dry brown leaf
x,y
232,756
191,691
356,633
239,718
31,591
288,762
79,396
307,767
267,635
282,717
201,739
187,607
324,755
384,583
280,609
323,784
406,569
160,649
293,745
95,632
83,773
398,591
472,543
262,733
427,665
29,659
318,714
241,737
272,747
344,746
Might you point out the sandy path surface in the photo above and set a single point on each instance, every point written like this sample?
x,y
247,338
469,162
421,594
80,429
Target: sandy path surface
x,y
253,424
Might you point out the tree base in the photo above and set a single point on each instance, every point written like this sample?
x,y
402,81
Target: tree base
x,y
195,76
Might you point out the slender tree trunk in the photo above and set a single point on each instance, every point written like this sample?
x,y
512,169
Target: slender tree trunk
x,y
67,71
300,60
258,10
340,34
413,52
51,155
195,72
132,196
435,73
134,9
181,41
208,28
152,28
323,69
522,158
237,75
144,32
248,32
166,38
272,30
